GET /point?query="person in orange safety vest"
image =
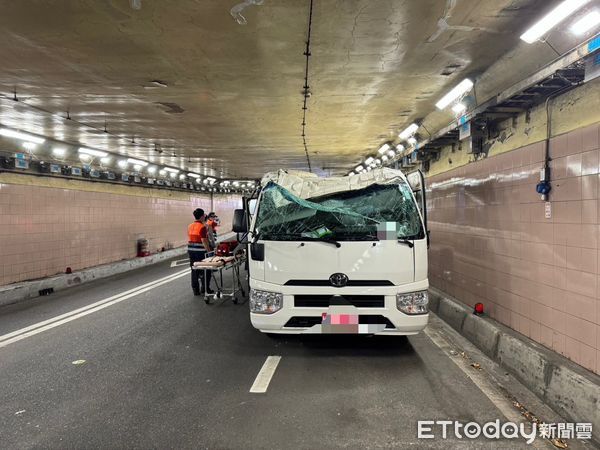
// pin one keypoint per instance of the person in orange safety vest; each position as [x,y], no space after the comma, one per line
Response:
[198,246]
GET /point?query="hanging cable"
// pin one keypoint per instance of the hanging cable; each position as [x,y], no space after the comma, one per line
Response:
[306,87]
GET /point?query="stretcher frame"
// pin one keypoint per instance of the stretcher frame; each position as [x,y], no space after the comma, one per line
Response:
[221,292]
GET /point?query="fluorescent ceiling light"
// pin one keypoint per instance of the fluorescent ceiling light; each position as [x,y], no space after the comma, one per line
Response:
[369,160]
[168,169]
[24,136]
[458,108]
[92,152]
[211,180]
[553,18]
[59,151]
[359,168]
[384,148]
[137,162]
[105,160]
[122,163]
[193,175]
[137,167]
[29,146]
[409,131]
[586,23]
[459,90]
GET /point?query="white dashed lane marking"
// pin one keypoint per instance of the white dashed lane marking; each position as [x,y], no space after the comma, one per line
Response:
[261,383]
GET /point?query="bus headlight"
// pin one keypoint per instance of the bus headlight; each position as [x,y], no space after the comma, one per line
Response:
[413,302]
[265,302]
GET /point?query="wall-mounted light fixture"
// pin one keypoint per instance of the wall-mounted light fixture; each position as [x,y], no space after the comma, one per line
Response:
[553,18]
[23,136]
[455,93]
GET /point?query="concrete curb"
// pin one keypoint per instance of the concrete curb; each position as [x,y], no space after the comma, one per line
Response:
[18,292]
[570,390]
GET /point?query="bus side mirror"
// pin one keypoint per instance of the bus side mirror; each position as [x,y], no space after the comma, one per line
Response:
[240,224]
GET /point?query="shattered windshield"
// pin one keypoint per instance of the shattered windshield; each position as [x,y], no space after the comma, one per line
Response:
[375,212]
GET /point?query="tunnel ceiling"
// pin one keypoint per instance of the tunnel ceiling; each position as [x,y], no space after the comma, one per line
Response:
[182,83]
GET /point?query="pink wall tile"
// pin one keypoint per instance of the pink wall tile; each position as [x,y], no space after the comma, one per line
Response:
[48,229]
[590,137]
[542,276]
[590,162]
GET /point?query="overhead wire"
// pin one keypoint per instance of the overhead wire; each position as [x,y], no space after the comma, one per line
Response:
[306,87]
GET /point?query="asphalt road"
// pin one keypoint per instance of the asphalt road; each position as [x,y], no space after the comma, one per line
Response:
[164,370]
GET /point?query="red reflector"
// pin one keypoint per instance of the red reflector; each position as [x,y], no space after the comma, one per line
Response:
[478,308]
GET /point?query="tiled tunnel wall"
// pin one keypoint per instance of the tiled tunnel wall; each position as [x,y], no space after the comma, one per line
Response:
[491,242]
[43,230]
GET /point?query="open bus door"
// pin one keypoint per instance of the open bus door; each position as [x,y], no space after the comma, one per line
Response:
[242,220]
[416,180]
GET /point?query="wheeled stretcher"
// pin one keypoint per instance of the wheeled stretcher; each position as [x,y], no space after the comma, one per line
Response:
[220,264]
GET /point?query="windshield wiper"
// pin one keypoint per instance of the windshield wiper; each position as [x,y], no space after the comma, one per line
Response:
[325,239]
[299,237]
[406,242]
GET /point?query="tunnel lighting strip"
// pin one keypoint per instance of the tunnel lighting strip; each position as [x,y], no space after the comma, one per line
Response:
[459,108]
[92,152]
[59,152]
[408,131]
[586,23]
[384,148]
[459,90]
[137,162]
[306,87]
[23,136]
[553,18]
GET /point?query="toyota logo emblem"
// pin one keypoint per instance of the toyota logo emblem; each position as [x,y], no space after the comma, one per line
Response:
[338,280]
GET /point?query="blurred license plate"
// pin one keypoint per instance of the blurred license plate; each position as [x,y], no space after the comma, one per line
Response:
[339,323]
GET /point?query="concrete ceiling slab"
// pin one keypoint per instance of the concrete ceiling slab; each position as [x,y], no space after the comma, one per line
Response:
[225,99]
